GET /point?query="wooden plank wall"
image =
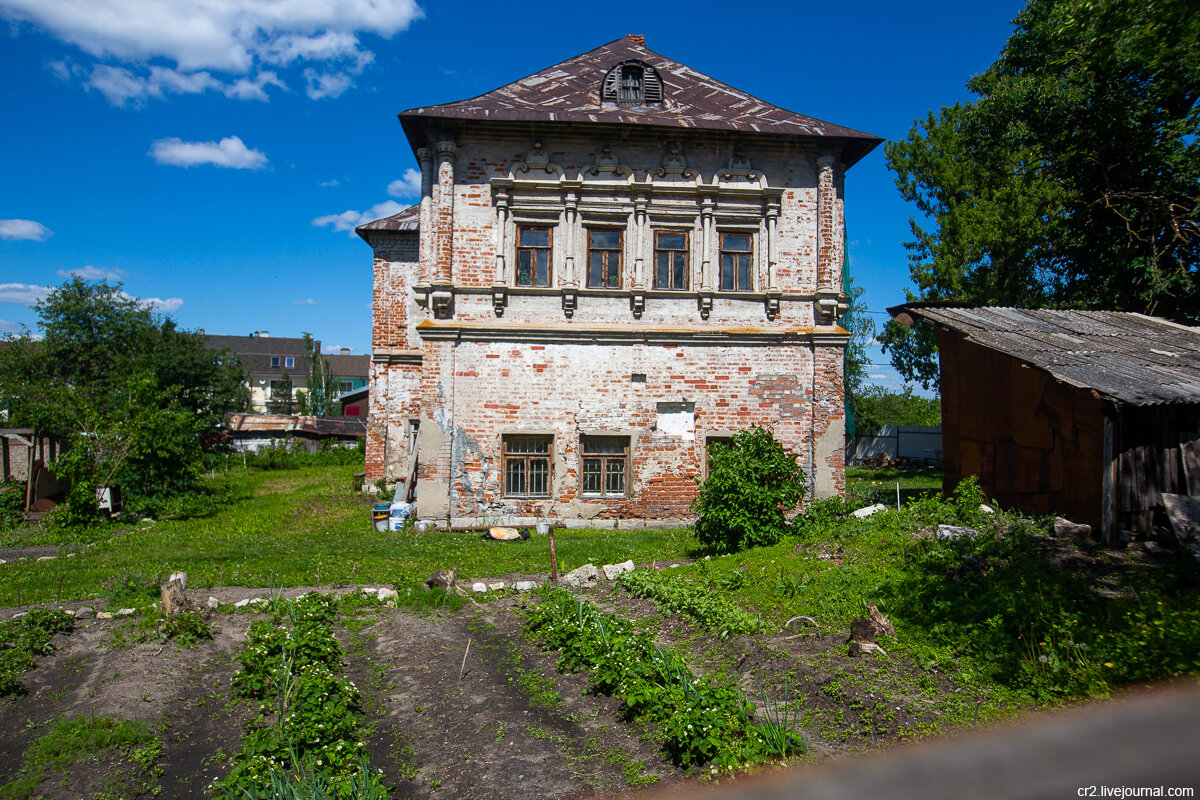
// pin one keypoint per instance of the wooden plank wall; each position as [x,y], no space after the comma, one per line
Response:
[1150,461]
[1035,443]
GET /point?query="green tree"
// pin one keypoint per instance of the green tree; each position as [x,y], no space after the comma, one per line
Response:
[752,483]
[1072,180]
[322,385]
[138,401]
[879,407]
[861,327]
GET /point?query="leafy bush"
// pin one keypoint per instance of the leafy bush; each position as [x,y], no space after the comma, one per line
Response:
[12,505]
[715,611]
[752,484]
[130,587]
[23,638]
[280,456]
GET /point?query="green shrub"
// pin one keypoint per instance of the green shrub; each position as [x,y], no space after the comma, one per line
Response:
[752,484]
[23,638]
[713,610]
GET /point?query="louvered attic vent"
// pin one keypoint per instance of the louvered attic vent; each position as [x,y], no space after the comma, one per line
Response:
[632,83]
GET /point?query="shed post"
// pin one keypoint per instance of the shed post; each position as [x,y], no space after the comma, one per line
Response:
[1108,514]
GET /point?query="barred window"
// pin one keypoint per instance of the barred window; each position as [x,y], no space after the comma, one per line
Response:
[737,251]
[605,464]
[671,260]
[604,259]
[533,256]
[527,462]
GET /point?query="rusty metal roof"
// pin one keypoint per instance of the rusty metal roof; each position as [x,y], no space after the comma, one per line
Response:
[1129,358]
[407,220]
[571,92]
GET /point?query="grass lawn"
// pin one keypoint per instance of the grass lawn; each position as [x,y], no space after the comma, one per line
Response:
[878,484]
[305,527]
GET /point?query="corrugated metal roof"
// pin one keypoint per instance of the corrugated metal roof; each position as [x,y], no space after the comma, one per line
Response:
[1130,358]
[407,220]
[570,92]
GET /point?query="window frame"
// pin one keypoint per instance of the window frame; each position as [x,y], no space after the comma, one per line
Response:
[711,439]
[735,255]
[685,252]
[525,458]
[619,252]
[289,362]
[605,459]
[274,362]
[547,250]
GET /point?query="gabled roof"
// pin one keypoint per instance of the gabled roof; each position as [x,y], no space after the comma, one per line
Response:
[349,366]
[1129,358]
[570,92]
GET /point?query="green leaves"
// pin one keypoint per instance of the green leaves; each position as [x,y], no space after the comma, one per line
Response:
[1072,180]
[752,483]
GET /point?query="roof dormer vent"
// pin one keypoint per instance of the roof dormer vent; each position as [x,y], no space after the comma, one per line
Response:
[632,83]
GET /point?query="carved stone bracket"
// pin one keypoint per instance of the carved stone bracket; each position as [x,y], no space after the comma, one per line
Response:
[607,164]
[637,304]
[739,167]
[570,299]
[442,299]
[499,299]
[706,302]
[674,166]
[826,305]
[773,297]
[421,294]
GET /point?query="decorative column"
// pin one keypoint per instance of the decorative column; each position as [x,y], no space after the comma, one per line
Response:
[500,282]
[707,282]
[570,282]
[425,235]
[443,198]
[829,243]
[773,292]
[637,300]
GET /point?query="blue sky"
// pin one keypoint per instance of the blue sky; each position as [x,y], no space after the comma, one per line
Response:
[212,154]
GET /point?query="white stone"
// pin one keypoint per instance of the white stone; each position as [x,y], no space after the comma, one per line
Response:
[70,612]
[985,508]
[952,532]
[386,594]
[495,587]
[103,615]
[241,603]
[46,558]
[212,602]
[124,612]
[259,601]
[19,614]
[525,586]
[868,511]
[613,571]
[369,590]
[70,555]
[479,587]
[581,576]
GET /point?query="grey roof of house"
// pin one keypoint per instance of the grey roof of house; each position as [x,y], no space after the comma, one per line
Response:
[348,366]
[569,92]
[1126,357]
[407,220]
[255,353]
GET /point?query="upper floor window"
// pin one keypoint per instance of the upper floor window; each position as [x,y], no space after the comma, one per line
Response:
[533,256]
[634,83]
[274,361]
[289,362]
[737,255]
[670,260]
[604,259]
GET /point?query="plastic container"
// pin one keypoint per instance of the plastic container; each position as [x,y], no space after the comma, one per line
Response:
[379,516]
[399,514]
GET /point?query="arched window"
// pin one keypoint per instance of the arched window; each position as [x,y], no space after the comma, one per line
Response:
[632,83]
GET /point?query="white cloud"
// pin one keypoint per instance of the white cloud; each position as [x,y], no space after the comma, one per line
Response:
[198,37]
[329,184]
[13,229]
[159,304]
[408,186]
[25,294]
[326,84]
[90,273]
[229,152]
[8,326]
[308,302]
[349,220]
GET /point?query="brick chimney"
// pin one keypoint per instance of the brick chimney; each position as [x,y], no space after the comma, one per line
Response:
[636,38]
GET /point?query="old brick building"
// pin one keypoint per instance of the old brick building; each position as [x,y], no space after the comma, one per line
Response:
[615,261]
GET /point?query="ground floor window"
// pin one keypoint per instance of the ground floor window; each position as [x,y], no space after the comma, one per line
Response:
[605,465]
[527,465]
[711,445]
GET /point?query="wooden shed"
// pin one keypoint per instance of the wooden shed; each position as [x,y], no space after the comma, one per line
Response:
[1094,415]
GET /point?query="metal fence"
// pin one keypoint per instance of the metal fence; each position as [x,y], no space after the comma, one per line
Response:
[912,442]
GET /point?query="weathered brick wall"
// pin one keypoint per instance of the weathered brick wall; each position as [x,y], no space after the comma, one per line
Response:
[531,373]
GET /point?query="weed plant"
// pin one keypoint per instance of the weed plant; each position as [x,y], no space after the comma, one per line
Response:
[25,638]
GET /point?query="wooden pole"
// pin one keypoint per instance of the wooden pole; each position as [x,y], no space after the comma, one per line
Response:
[464,661]
[553,558]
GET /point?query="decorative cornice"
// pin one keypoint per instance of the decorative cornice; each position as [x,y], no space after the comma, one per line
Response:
[604,334]
[383,355]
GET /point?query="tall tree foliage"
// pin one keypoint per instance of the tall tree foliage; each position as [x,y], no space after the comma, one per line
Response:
[1073,180]
[138,400]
